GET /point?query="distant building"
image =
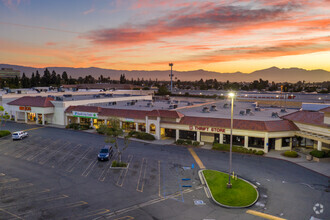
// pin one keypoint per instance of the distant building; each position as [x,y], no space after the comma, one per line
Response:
[6,73]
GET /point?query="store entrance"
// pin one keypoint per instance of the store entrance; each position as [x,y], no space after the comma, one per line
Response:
[31,117]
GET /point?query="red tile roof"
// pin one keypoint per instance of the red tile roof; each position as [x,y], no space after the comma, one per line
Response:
[33,101]
[307,117]
[272,126]
[124,113]
[165,114]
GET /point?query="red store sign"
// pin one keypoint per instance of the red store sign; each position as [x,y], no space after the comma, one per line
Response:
[204,128]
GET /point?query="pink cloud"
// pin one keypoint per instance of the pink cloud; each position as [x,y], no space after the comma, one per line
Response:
[186,21]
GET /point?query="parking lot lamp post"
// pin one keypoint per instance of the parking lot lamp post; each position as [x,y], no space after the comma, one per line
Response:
[231,95]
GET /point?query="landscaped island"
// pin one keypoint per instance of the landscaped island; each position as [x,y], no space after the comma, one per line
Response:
[241,194]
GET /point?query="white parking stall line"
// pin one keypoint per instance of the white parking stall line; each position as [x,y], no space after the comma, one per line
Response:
[63,158]
[104,173]
[89,168]
[53,153]
[83,156]
[42,150]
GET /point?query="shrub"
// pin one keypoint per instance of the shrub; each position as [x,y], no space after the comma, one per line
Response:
[317,153]
[189,142]
[145,136]
[118,164]
[4,133]
[259,152]
[102,129]
[196,143]
[180,141]
[290,154]
[226,147]
[133,133]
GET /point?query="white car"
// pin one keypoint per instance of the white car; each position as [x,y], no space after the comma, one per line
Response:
[19,135]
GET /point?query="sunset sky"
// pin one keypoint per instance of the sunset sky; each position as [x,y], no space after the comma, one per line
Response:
[220,35]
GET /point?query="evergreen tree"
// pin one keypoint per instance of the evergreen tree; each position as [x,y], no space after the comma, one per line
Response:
[58,80]
[25,81]
[65,77]
[53,78]
[38,78]
[33,82]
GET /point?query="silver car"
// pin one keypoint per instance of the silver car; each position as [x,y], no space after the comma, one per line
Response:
[19,135]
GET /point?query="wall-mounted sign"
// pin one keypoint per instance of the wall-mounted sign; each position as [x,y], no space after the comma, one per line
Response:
[205,128]
[129,120]
[25,108]
[84,114]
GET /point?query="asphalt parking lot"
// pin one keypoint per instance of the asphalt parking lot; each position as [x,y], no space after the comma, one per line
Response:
[54,174]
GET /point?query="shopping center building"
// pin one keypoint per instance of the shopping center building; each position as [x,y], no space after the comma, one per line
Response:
[192,119]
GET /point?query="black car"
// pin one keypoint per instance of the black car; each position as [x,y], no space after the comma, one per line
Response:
[105,153]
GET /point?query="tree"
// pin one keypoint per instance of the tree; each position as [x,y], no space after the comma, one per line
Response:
[65,77]
[122,79]
[38,78]
[4,116]
[112,132]
[25,81]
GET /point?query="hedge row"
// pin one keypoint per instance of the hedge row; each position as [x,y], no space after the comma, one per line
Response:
[4,133]
[320,154]
[187,142]
[77,126]
[141,135]
[226,147]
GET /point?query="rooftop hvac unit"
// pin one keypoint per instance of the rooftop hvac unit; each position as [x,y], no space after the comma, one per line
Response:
[214,108]
[248,111]
[274,115]
[175,106]
[150,104]
[57,98]
[242,112]
[225,105]
[257,109]
[283,110]
[206,110]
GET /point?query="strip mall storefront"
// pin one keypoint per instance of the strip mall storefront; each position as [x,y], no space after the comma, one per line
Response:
[172,124]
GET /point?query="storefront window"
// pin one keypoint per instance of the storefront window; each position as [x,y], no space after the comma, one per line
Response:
[286,142]
[256,142]
[170,132]
[189,135]
[237,140]
[142,127]
[152,129]
[129,126]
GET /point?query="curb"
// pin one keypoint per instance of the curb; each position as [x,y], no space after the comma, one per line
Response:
[208,192]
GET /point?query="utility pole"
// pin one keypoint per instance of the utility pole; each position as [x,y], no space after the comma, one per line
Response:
[171,65]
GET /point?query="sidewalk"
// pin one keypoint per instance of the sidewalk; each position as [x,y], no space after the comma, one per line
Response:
[319,167]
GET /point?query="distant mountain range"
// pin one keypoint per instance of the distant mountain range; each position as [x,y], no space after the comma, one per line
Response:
[271,74]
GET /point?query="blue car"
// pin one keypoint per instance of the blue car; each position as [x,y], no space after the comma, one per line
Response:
[105,153]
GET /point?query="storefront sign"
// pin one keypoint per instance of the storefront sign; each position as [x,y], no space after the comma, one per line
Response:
[129,120]
[84,114]
[205,128]
[25,108]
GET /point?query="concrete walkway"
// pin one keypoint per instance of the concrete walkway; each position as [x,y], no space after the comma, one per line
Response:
[320,167]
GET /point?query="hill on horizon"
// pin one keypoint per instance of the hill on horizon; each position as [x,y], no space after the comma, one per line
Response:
[271,74]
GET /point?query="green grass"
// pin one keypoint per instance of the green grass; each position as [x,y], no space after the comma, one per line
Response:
[4,133]
[241,194]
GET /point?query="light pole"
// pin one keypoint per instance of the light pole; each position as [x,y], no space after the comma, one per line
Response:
[171,65]
[231,95]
